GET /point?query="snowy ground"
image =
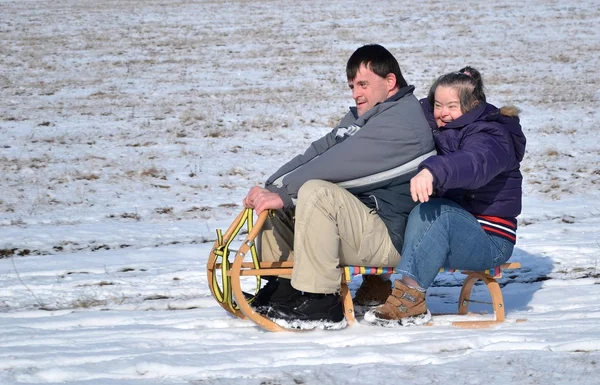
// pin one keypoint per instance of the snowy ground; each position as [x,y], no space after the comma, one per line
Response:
[131,130]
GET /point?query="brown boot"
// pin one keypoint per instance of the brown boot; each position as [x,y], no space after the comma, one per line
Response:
[373,291]
[406,306]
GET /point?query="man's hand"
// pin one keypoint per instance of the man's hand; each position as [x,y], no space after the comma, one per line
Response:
[251,196]
[261,199]
[421,186]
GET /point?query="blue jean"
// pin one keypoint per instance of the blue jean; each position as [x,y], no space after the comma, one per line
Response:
[440,233]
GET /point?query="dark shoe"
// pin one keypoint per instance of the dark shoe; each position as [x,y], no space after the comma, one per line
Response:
[373,291]
[405,306]
[276,291]
[309,311]
[284,293]
[264,294]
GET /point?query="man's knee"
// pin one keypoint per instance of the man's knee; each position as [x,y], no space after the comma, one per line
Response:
[314,186]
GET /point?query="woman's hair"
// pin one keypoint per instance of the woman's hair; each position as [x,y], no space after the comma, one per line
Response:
[468,84]
[377,59]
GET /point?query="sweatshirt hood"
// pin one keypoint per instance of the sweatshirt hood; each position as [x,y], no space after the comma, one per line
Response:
[507,116]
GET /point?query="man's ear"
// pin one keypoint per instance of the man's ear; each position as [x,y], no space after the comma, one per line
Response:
[391,81]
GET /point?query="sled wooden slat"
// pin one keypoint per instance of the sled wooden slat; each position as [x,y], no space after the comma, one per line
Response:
[265,265]
[240,268]
[265,272]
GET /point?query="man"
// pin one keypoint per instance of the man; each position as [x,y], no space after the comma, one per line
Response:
[346,199]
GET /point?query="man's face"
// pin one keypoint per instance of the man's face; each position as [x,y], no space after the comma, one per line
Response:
[369,89]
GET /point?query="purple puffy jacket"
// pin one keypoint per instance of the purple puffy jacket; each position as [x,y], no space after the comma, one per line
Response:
[479,159]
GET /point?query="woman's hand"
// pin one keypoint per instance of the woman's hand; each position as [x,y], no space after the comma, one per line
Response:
[261,199]
[421,186]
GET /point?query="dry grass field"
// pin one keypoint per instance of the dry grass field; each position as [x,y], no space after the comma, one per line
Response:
[131,129]
[170,110]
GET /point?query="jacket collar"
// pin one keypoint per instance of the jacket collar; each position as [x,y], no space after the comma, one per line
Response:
[402,92]
[478,113]
[468,118]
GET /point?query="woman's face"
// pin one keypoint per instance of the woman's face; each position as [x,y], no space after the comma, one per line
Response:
[446,106]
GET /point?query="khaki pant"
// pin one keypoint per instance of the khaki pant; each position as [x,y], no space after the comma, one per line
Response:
[331,228]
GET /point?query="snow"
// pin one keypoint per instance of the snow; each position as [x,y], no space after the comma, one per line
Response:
[130,131]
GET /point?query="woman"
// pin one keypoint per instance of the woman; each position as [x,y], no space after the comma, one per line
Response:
[471,223]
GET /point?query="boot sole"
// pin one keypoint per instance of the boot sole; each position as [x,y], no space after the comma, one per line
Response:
[310,325]
[417,320]
[361,310]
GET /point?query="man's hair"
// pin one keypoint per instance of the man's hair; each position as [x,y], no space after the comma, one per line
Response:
[468,85]
[377,59]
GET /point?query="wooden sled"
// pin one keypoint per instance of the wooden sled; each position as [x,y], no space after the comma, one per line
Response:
[227,289]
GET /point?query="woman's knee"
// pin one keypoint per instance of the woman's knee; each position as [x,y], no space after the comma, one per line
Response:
[433,209]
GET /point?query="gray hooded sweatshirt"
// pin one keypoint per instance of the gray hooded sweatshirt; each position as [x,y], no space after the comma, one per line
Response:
[372,156]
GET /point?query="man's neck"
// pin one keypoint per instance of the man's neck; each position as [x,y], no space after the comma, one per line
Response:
[393,92]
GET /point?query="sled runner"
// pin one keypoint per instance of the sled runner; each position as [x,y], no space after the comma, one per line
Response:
[225,277]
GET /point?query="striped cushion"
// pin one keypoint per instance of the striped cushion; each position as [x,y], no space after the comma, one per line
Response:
[351,271]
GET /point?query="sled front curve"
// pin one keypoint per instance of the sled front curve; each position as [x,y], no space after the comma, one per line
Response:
[240,268]
[228,290]
[238,271]
[218,260]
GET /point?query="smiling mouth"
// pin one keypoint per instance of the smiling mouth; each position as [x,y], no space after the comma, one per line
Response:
[442,123]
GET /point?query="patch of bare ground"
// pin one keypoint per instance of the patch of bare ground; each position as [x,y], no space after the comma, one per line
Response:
[108,104]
